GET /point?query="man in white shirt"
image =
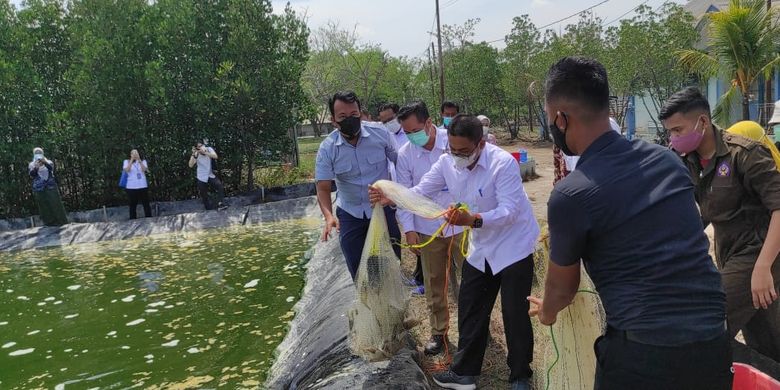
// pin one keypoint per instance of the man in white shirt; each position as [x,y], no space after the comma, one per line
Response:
[202,156]
[388,115]
[500,253]
[425,147]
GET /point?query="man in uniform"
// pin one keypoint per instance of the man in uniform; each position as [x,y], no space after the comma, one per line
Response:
[738,191]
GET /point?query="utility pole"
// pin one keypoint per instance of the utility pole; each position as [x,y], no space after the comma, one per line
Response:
[441,55]
[430,65]
[767,84]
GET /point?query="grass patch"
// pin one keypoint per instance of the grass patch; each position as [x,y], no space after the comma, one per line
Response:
[307,152]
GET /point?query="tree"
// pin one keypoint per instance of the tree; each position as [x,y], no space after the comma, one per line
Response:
[643,60]
[91,81]
[522,44]
[742,47]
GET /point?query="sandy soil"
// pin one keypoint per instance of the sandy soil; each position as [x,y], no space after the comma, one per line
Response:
[494,370]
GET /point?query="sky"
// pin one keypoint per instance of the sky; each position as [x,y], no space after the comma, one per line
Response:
[402,27]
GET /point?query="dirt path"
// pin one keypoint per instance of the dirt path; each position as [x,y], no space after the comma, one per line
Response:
[494,370]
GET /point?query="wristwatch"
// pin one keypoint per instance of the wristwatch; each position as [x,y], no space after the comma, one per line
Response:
[477,221]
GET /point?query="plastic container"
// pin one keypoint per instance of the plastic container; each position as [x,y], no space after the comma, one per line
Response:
[747,377]
[516,155]
[523,156]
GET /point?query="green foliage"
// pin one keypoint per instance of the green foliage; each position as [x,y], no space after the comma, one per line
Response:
[506,85]
[91,80]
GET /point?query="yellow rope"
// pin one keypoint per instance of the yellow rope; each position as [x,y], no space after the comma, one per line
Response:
[464,241]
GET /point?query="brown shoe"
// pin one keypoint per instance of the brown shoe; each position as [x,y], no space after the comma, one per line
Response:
[436,345]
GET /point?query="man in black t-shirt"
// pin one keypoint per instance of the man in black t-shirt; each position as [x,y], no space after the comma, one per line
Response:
[628,212]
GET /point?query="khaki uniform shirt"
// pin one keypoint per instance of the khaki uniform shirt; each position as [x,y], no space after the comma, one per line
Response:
[737,192]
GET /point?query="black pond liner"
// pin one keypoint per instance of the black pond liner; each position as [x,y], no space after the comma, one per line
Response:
[315,353]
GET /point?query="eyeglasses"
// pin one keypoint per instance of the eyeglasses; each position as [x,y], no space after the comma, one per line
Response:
[455,154]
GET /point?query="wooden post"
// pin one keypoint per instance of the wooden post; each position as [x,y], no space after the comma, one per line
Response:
[441,54]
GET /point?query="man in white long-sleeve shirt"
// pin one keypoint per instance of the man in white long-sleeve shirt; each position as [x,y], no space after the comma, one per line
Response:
[500,252]
[425,147]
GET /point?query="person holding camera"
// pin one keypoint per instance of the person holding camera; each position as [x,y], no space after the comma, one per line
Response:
[137,186]
[45,190]
[204,156]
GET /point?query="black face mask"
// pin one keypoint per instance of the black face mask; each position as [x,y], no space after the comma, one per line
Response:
[559,137]
[350,127]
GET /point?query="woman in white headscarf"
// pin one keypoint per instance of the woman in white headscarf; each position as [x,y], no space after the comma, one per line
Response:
[489,138]
[45,190]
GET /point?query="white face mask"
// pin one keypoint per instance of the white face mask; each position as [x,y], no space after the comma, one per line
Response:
[393,126]
[37,156]
[485,130]
[465,162]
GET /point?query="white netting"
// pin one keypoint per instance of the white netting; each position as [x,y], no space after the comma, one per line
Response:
[408,200]
[377,317]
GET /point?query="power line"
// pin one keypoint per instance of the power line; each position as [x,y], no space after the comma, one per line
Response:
[572,15]
[559,20]
[627,12]
[450,4]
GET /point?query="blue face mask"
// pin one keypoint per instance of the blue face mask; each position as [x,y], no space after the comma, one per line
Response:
[446,121]
[419,137]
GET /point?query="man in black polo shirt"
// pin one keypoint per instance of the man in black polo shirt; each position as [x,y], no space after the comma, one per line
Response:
[628,212]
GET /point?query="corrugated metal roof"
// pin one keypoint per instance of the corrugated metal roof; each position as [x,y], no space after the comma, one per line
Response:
[699,8]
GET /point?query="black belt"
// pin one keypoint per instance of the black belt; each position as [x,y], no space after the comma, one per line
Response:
[664,338]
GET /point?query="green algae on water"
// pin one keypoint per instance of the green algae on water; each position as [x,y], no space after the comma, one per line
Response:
[203,309]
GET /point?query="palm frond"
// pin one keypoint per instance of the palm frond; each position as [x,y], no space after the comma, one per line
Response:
[699,62]
[769,69]
[722,112]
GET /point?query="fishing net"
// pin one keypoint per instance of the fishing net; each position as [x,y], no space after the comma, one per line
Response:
[409,200]
[569,359]
[377,327]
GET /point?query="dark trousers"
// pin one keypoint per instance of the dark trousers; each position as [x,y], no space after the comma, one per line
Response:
[625,364]
[418,274]
[761,327]
[50,206]
[478,293]
[353,232]
[139,195]
[203,189]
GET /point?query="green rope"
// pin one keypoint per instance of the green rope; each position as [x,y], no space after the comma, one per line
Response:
[555,345]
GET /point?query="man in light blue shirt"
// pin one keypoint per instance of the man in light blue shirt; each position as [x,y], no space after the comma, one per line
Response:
[355,155]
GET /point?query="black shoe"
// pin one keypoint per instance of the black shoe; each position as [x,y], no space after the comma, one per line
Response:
[436,345]
[451,380]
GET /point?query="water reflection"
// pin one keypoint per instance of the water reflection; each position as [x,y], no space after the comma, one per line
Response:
[217,272]
[150,280]
[169,311]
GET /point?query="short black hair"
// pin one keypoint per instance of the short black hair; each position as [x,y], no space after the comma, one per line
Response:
[389,106]
[464,125]
[449,104]
[684,101]
[344,96]
[579,79]
[416,108]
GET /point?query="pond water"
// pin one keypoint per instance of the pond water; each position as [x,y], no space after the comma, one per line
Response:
[203,309]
